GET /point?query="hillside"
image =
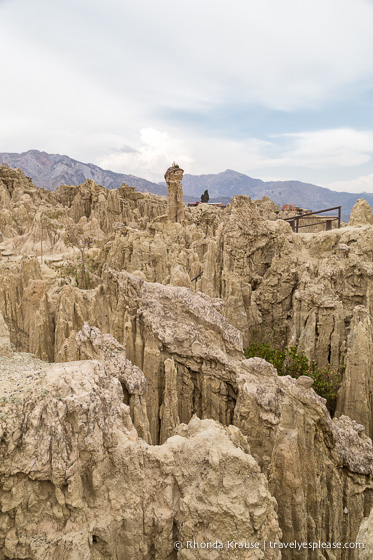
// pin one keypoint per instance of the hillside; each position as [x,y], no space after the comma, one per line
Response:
[52,170]
[229,182]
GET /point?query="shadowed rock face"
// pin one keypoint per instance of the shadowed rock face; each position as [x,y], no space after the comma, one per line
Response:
[14,181]
[159,355]
[307,290]
[173,177]
[189,362]
[77,482]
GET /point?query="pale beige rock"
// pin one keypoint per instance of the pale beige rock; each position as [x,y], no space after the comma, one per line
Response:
[5,346]
[156,323]
[357,388]
[24,305]
[15,182]
[305,381]
[91,489]
[173,177]
[179,277]
[361,214]
[312,290]
[90,344]
[365,537]
[163,318]
[168,411]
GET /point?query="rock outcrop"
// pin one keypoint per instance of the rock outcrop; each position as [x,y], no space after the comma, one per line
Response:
[76,482]
[90,344]
[365,537]
[173,177]
[361,214]
[5,346]
[146,357]
[355,395]
[292,289]
[185,347]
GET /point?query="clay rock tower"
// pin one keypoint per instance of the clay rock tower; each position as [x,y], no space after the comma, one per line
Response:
[174,176]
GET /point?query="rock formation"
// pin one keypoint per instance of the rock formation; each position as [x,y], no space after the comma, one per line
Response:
[365,537]
[186,347]
[173,177]
[147,387]
[78,483]
[361,214]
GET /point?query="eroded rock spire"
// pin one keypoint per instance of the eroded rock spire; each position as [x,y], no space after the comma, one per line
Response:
[173,177]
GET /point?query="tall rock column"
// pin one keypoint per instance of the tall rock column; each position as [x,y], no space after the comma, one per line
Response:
[355,394]
[169,409]
[173,177]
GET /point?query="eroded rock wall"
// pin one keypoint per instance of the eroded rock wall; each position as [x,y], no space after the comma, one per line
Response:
[278,287]
[169,354]
[316,467]
[76,482]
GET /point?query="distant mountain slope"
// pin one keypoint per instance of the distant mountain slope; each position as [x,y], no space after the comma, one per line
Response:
[52,170]
[228,183]
[306,195]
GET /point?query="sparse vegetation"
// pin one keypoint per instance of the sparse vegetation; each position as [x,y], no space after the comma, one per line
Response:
[289,361]
[70,272]
[51,226]
[75,237]
[205,197]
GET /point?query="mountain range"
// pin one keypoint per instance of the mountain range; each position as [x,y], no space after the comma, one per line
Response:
[52,170]
[306,195]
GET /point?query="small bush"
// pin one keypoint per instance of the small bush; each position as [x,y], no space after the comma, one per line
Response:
[289,361]
[72,272]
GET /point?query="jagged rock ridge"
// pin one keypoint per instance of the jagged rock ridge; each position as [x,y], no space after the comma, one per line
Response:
[141,353]
[52,170]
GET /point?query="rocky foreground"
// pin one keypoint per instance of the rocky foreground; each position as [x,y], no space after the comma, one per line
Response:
[130,420]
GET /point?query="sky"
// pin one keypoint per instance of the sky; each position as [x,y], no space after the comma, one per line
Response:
[275,90]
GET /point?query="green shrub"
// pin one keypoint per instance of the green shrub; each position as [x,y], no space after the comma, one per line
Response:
[73,272]
[289,361]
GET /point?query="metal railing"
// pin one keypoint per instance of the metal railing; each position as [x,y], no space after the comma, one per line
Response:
[294,220]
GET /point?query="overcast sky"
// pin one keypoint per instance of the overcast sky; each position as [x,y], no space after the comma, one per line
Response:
[274,89]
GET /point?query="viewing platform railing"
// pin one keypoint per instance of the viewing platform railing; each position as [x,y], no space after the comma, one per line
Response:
[294,220]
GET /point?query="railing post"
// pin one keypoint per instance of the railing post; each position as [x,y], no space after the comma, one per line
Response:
[294,220]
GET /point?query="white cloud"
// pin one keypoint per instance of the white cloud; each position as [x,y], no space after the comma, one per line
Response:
[342,147]
[321,149]
[155,151]
[83,78]
[283,55]
[359,185]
